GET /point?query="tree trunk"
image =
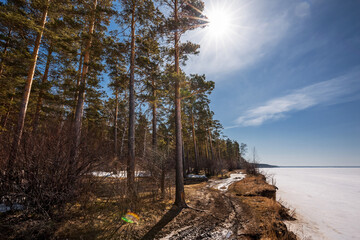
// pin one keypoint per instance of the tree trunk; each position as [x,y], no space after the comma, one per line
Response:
[206,149]
[154,119]
[154,140]
[131,142]
[184,159]
[154,133]
[116,125]
[123,139]
[188,157]
[81,97]
[219,160]
[25,100]
[163,173]
[162,181]
[211,153]
[211,146]
[194,141]
[144,144]
[180,193]
[76,95]
[41,93]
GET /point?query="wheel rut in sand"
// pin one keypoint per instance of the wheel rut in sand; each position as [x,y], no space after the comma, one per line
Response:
[213,214]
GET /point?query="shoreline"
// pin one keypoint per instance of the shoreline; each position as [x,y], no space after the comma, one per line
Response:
[269,213]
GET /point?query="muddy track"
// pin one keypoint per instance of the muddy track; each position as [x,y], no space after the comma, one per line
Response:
[213,214]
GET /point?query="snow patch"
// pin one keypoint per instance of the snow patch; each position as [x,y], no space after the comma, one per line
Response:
[121,174]
[224,184]
[16,207]
[196,176]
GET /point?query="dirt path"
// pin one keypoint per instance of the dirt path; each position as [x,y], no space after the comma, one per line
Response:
[213,214]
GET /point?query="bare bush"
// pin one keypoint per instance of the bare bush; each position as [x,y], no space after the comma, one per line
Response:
[46,175]
[250,168]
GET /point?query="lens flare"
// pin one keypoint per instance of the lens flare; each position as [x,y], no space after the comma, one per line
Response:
[131,218]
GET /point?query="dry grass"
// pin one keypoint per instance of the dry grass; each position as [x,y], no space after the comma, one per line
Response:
[96,215]
[100,217]
[254,186]
[222,175]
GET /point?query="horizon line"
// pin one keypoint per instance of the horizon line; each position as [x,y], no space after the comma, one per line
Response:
[314,166]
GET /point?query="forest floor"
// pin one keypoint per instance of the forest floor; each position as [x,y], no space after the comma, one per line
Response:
[222,208]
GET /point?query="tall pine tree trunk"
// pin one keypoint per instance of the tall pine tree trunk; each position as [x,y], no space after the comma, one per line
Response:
[184,159]
[219,159]
[144,143]
[212,153]
[76,95]
[206,149]
[41,93]
[154,119]
[116,125]
[179,192]
[163,171]
[188,161]
[123,140]
[81,96]
[194,141]
[154,139]
[25,100]
[131,143]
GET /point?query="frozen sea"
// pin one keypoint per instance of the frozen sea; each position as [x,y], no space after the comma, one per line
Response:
[326,201]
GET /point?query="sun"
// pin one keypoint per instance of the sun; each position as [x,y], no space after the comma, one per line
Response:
[220,22]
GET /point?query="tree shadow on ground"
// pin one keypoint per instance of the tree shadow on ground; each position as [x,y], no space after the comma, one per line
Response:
[170,215]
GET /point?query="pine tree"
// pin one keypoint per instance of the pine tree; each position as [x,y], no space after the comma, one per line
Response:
[185,16]
[15,28]
[135,13]
[116,65]
[83,79]
[29,81]
[195,95]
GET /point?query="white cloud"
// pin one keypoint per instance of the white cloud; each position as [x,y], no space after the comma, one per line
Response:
[328,92]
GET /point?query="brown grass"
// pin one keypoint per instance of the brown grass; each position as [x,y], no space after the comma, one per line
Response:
[100,217]
[96,215]
[254,186]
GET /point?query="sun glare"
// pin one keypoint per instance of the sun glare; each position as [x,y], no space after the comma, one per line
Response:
[219,22]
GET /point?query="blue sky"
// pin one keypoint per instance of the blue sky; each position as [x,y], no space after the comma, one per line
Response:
[287,78]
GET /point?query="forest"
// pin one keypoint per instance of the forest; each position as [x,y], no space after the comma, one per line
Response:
[97,86]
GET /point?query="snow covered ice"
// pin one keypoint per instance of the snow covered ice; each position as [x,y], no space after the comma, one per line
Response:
[326,201]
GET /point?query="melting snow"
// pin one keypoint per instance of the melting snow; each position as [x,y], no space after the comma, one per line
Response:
[195,176]
[15,206]
[224,184]
[121,174]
